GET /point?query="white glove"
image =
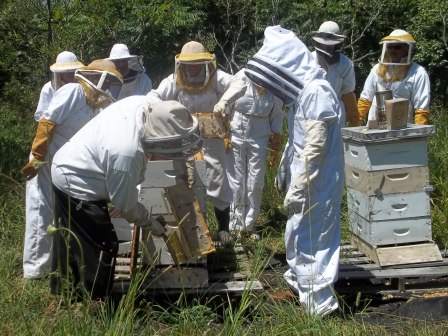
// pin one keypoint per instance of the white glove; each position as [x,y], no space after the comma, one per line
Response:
[219,109]
[296,198]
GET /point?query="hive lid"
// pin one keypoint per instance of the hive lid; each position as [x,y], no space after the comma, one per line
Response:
[364,134]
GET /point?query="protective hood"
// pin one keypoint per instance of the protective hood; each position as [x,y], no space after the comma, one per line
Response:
[170,130]
[283,65]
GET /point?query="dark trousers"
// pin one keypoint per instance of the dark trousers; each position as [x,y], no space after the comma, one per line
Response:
[84,248]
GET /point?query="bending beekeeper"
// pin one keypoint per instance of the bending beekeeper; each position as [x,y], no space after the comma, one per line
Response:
[104,162]
[206,92]
[72,106]
[135,80]
[339,69]
[315,175]
[396,71]
[256,125]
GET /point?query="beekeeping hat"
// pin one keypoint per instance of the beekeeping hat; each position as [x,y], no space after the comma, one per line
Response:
[283,65]
[194,52]
[397,37]
[119,51]
[66,61]
[170,130]
[328,34]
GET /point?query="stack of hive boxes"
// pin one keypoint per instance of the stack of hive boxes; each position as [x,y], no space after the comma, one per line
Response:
[387,179]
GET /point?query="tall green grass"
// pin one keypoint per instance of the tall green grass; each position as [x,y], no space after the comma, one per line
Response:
[438,170]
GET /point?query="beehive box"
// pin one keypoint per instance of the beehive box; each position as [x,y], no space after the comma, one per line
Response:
[389,181]
[390,232]
[388,206]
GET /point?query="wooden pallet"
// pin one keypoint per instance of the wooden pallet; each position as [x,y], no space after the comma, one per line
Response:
[226,272]
[357,272]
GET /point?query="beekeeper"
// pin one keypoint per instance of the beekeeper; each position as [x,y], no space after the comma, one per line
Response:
[104,162]
[339,69]
[72,106]
[36,252]
[256,127]
[135,80]
[198,85]
[314,177]
[396,71]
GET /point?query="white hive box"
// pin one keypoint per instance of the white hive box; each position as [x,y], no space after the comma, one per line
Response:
[373,149]
[388,206]
[387,181]
[391,232]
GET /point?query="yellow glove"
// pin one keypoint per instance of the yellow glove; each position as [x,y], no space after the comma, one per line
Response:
[228,144]
[39,149]
[275,146]
[363,108]
[31,168]
[421,117]
[351,109]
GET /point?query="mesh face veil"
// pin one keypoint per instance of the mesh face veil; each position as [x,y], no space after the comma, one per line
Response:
[101,82]
[398,48]
[194,68]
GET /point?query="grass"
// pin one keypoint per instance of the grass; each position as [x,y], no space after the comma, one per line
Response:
[27,308]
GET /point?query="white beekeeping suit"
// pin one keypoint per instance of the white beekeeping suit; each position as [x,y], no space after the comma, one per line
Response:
[36,253]
[135,80]
[199,86]
[396,71]
[339,69]
[70,109]
[315,172]
[257,118]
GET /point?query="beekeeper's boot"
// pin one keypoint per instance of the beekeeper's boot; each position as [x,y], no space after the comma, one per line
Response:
[223,219]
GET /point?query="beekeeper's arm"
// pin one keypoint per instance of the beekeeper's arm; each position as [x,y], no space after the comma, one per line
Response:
[367,95]
[65,101]
[315,147]
[276,139]
[39,149]
[167,90]
[349,95]
[420,97]
[235,90]
[351,109]
[122,177]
